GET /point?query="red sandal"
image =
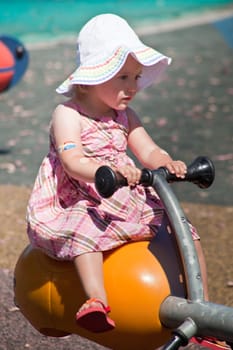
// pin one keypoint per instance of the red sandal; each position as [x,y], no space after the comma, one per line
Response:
[95,319]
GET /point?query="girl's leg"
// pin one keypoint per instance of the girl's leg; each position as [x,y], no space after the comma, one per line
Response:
[93,314]
[90,270]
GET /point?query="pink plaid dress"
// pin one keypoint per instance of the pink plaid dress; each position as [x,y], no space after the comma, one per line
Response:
[67,217]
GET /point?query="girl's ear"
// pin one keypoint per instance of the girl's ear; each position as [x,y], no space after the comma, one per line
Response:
[82,89]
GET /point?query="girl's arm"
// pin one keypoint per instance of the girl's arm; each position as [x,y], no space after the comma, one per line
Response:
[66,125]
[147,151]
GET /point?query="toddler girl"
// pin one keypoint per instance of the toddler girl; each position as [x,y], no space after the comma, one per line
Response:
[67,218]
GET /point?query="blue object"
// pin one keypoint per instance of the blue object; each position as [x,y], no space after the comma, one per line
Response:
[225,27]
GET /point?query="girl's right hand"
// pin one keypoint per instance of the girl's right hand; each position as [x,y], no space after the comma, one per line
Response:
[131,173]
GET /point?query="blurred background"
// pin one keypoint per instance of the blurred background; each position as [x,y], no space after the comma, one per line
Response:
[39,20]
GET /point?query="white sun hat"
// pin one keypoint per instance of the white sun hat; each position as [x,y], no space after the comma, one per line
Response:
[104,44]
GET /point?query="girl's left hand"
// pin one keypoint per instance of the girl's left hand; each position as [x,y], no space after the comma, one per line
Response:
[131,173]
[177,167]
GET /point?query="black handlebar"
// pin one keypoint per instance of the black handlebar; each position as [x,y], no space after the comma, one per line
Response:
[200,172]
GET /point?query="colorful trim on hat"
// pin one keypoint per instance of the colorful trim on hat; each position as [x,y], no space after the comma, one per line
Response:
[104,71]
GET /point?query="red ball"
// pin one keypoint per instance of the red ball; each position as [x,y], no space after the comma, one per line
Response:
[7,66]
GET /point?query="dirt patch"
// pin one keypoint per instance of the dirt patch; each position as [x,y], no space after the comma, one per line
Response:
[12,223]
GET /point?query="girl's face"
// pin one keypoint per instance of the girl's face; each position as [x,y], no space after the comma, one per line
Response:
[121,89]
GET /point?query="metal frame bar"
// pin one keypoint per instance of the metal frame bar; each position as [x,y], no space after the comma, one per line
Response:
[211,319]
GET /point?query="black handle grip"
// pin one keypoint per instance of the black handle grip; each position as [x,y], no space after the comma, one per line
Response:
[200,172]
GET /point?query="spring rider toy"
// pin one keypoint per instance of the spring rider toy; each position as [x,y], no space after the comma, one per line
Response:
[154,287]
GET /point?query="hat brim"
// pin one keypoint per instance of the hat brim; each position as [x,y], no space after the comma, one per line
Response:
[154,63]
[21,58]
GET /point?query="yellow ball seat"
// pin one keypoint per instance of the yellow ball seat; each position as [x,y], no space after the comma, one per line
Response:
[48,293]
